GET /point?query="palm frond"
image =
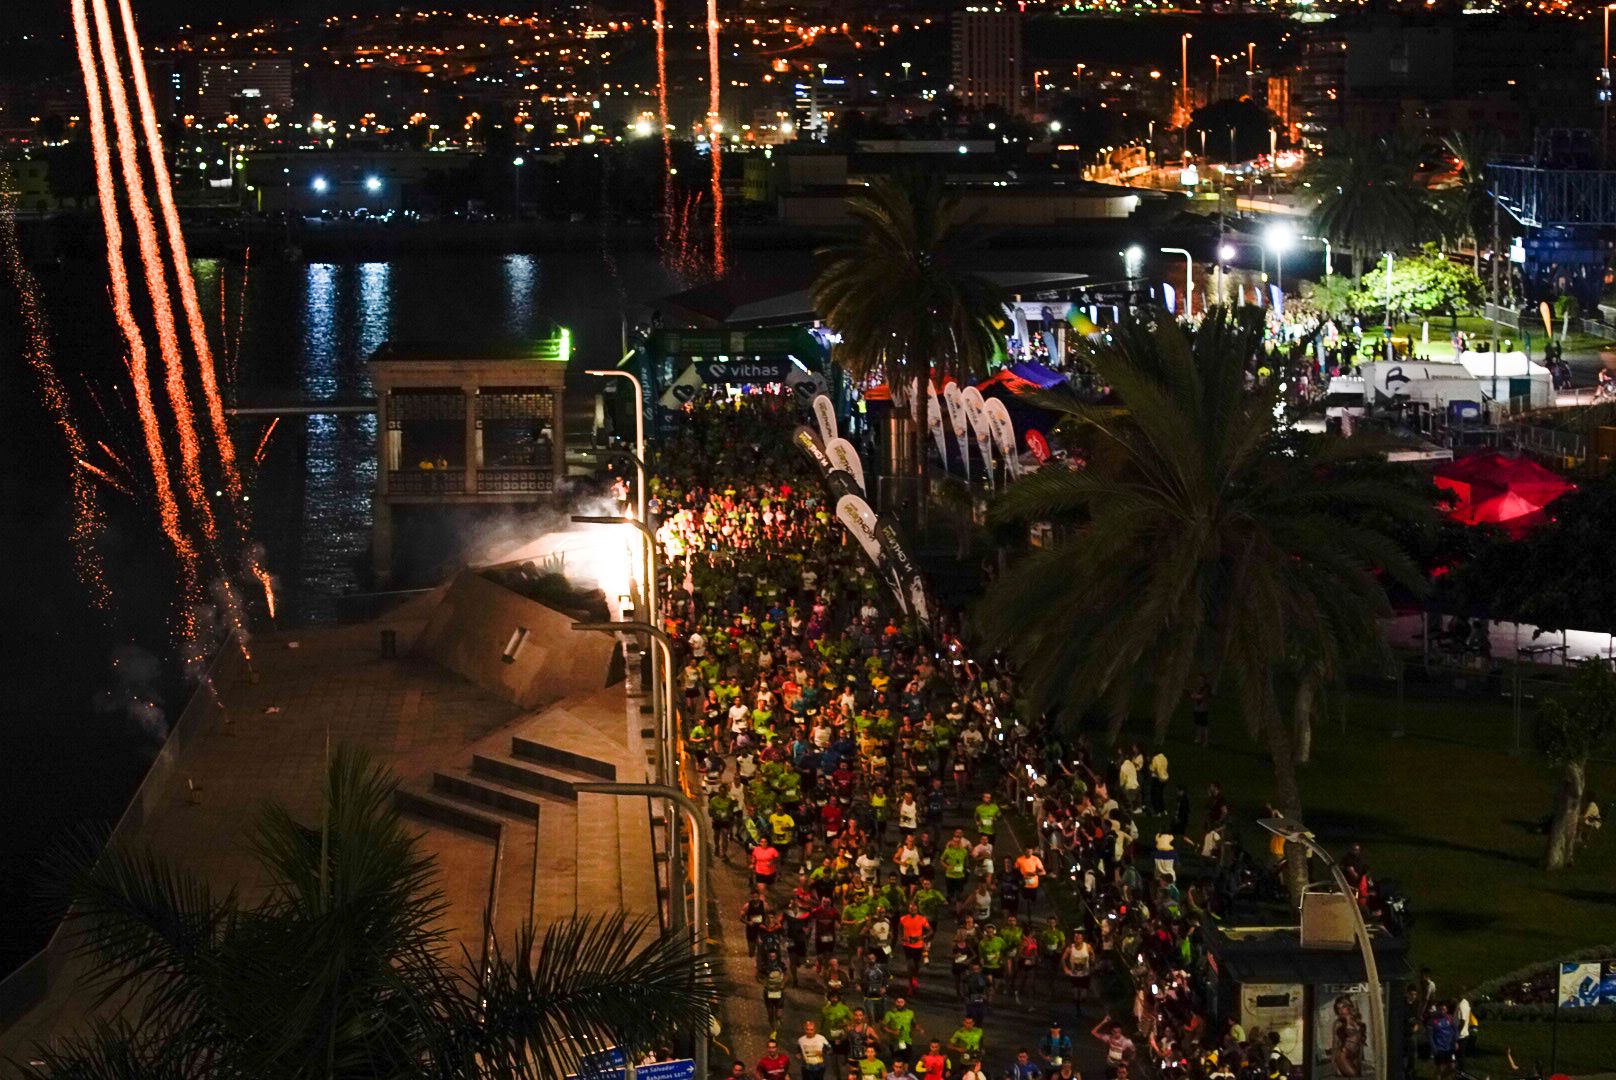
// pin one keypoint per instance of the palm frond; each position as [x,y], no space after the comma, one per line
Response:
[604,980]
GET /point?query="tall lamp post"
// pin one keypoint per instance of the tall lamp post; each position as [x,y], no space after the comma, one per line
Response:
[1189,278]
[1389,259]
[667,760]
[639,430]
[1279,238]
[704,846]
[1184,83]
[1293,832]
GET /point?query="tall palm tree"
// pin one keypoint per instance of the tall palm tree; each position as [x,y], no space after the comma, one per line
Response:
[1369,197]
[904,307]
[342,970]
[1465,204]
[1203,538]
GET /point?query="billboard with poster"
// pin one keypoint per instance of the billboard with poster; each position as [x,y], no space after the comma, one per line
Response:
[1590,982]
[1278,1007]
[1341,1046]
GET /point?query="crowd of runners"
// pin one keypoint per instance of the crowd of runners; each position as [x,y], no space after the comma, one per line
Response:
[907,830]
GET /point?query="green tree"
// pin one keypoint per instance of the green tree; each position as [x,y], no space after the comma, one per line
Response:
[1428,283]
[1369,198]
[905,307]
[1463,202]
[1203,538]
[342,969]
[1331,297]
[1569,730]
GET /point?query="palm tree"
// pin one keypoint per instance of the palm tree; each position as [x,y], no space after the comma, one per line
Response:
[904,307]
[1369,197]
[1203,538]
[1465,204]
[342,969]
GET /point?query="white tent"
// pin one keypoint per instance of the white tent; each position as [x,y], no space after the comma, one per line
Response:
[1510,376]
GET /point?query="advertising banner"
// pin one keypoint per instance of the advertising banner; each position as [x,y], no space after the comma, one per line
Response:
[825,413]
[844,457]
[976,412]
[1341,1046]
[959,422]
[1004,435]
[934,423]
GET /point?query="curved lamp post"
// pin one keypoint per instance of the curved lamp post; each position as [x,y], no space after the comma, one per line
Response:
[704,846]
[1293,832]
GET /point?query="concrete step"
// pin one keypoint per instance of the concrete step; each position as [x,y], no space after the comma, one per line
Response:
[540,779]
[447,811]
[557,863]
[542,753]
[598,848]
[490,794]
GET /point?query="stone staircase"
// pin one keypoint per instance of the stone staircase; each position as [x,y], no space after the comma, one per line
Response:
[560,852]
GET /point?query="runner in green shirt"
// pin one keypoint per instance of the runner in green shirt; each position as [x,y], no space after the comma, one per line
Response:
[967,1039]
[987,814]
[899,1022]
[835,1016]
[991,949]
[931,901]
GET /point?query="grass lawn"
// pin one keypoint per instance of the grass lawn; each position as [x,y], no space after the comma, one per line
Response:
[1445,813]
[1441,348]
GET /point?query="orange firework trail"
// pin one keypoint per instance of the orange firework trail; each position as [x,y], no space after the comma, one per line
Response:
[714,137]
[659,21]
[241,314]
[106,198]
[179,398]
[263,444]
[104,475]
[176,247]
[269,587]
[87,519]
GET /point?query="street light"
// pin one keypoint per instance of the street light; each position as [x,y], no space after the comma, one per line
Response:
[373,184]
[319,184]
[639,429]
[1293,832]
[667,760]
[704,847]
[1189,278]
[1279,238]
[516,181]
[1133,259]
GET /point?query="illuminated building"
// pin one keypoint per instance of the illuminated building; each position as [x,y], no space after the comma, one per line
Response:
[987,58]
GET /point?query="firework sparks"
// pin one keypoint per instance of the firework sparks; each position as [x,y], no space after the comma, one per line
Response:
[263,443]
[179,398]
[659,21]
[714,137]
[101,474]
[87,519]
[269,587]
[176,245]
[106,198]
[241,316]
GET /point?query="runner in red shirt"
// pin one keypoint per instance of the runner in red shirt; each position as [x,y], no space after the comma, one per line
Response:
[765,863]
[915,931]
[933,1064]
[774,1064]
